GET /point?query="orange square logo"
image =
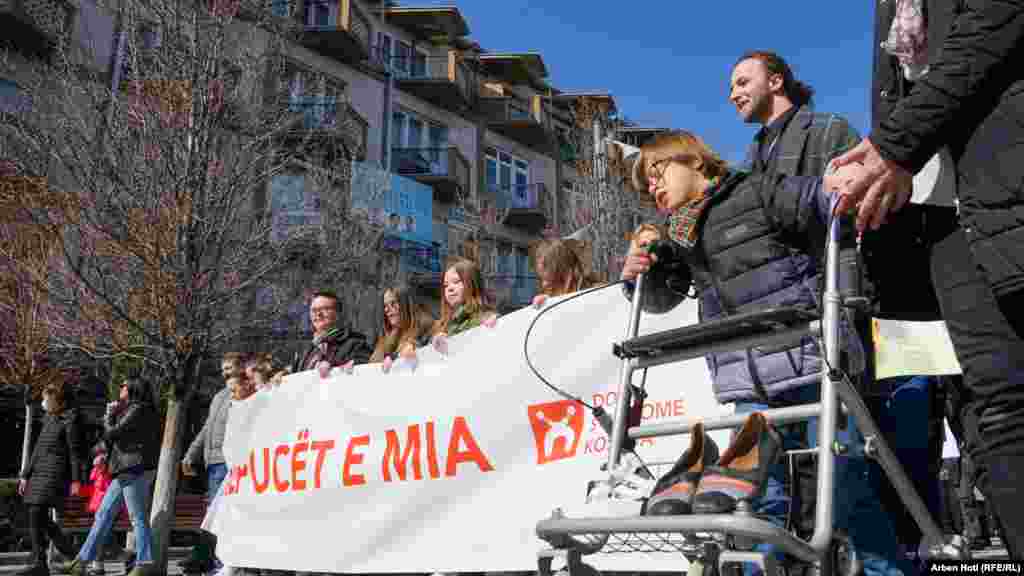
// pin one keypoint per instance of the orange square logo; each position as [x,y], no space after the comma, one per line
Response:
[557,429]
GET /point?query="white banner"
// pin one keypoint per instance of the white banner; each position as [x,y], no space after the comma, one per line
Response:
[450,467]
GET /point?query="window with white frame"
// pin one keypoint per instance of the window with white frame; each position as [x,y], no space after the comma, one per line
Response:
[507,175]
[422,141]
[405,59]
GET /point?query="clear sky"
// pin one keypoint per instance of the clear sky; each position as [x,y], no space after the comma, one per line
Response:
[667,62]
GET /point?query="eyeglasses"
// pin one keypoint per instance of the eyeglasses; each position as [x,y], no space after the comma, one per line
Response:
[321,311]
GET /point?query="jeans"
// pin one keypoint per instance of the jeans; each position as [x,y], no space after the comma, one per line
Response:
[215,475]
[988,337]
[905,418]
[856,506]
[134,488]
[150,476]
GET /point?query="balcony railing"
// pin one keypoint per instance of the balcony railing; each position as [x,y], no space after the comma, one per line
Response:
[446,169]
[526,206]
[526,121]
[446,81]
[335,28]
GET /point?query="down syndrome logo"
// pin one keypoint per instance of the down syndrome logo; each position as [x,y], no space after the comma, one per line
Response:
[557,429]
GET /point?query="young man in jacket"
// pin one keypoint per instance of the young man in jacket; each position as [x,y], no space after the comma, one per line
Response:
[971,100]
[208,445]
[332,346]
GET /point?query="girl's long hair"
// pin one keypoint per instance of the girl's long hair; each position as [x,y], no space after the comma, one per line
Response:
[564,271]
[413,322]
[472,295]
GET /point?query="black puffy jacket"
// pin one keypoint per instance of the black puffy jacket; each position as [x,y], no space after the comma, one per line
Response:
[55,461]
[760,244]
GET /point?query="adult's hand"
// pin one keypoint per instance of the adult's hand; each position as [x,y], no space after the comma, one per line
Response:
[22,485]
[187,469]
[882,188]
[491,321]
[638,259]
[385,366]
[76,488]
[539,300]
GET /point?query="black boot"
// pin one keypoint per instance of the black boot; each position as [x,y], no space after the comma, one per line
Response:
[37,569]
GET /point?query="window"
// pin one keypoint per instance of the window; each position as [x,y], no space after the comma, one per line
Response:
[12,101]
[419,64]
[384,48]
[320,13]
[508,176]
[403,50]
[409,130]
[293,204]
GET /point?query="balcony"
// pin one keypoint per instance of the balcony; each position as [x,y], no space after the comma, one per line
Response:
[33,25]
[445,169]
[326,119]
[421,264]
[337,29]
[525,207]
[445,81]
[526,122]
[427,23]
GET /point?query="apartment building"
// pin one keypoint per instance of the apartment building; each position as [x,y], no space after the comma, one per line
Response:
[404,89]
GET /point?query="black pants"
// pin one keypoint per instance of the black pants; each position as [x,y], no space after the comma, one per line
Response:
[42,530]
[988,336]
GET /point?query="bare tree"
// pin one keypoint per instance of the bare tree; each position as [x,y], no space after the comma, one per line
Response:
[604,207]
[164,230]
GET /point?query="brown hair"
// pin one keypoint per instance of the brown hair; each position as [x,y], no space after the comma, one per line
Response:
[658,230]
[560,267]
[413,322]
[798,92]
[263,364]
[472,296]
[682,146]
[57,391]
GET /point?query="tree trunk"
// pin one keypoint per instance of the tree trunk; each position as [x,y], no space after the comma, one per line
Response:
[162,515]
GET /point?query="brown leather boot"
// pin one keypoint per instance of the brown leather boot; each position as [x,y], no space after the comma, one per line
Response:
[742,472]
[673,494]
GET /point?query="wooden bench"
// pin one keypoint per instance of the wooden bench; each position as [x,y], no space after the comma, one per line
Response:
[189,511]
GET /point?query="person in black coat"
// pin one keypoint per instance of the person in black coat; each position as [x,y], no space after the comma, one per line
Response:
[132,435]
[45,481]
[332,345]
[967,95]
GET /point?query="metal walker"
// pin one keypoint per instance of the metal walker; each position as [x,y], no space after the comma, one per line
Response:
[723,539]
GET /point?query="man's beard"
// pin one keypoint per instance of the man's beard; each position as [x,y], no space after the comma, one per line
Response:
[758,110]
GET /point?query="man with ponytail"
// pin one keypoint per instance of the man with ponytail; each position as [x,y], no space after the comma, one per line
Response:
[793,140]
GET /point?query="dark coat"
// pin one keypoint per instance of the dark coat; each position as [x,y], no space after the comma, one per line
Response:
[133,438]
[55,461]
[971,101]
[344,346]
[810,141]
[759,246]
